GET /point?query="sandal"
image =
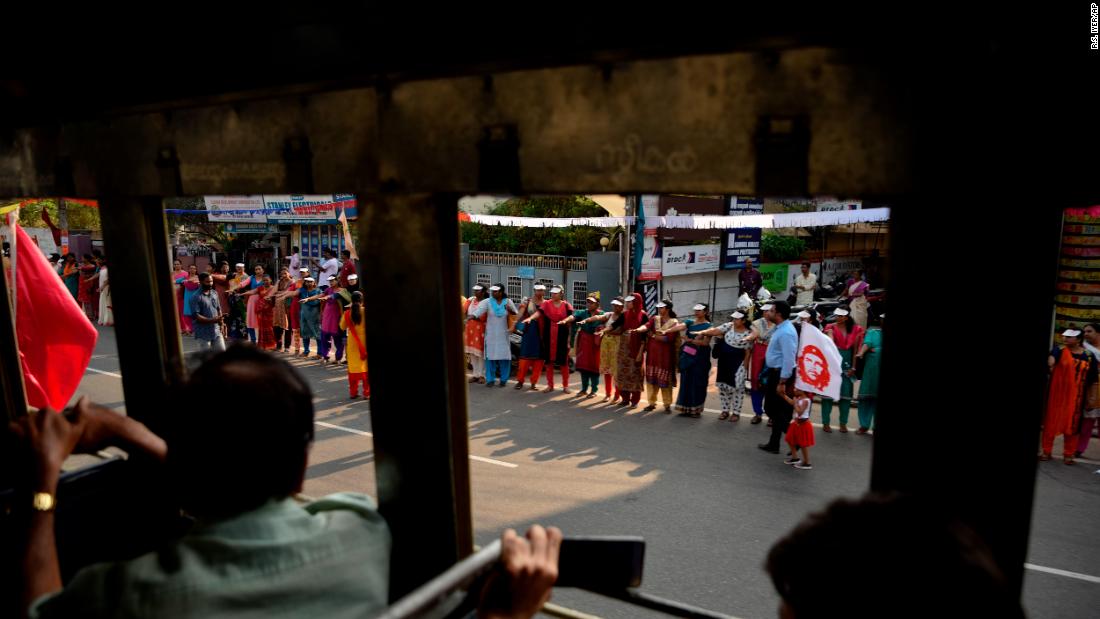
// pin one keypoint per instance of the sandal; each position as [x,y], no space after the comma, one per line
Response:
[1069,461]
[533,387]
[589,396]
[607,398]
[843,429]
[724,416]
[826,429]
[770,422]
[1044,457]
[668,410]
[861,431]
[756,419]
[650,408]
[735,417]
[548,390]
[519,386]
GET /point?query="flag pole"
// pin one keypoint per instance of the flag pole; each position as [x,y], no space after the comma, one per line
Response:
[12,390]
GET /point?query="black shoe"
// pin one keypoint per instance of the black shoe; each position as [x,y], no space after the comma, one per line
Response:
[769,448]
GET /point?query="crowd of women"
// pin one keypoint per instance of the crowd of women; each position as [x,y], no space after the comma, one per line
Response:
[632,351]
[286,315]
[87,281]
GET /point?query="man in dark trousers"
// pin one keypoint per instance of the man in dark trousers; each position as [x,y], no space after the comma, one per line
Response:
[780,361]
[750,279]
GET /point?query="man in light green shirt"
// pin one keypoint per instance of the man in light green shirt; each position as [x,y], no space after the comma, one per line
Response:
[241,431]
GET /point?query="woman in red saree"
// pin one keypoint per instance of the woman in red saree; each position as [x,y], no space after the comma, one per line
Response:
[628,373]
[662,356]
[89,282]
[1072,369]
[555,344]
[265,313]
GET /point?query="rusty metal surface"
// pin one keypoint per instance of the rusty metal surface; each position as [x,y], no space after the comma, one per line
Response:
[653,125]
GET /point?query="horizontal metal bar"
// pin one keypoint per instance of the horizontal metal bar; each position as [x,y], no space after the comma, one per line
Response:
[461,575]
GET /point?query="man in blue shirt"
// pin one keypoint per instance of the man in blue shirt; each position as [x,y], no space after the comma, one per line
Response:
[780,361]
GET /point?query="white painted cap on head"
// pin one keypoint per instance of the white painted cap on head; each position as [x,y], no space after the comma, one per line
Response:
[592,300]
[309,279]
[353,277]
[662,304]
[882,315]
[331,278]
[555,290]
[840,312]
[767,307]
[699,307]
[1071,333]
[616,302]
[540,287]
[303,270]
[737,315]
[494,288]
[803,314]
[240,264]
[479,287]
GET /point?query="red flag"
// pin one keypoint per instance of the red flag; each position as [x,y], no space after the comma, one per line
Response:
[56,339]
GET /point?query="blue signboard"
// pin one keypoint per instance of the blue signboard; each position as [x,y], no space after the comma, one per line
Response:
[739,244]
[527,272]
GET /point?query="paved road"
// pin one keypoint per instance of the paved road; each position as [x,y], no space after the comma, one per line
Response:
[707,501]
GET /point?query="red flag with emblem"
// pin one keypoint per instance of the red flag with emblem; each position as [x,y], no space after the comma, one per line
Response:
[55,337]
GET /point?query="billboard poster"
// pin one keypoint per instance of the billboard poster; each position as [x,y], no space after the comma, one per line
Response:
[746,206]
[651,257]
[315,241]
[216,207]
[775,277]
[690,259]
[828,204]
[649,207]
[300,209]
[739,244]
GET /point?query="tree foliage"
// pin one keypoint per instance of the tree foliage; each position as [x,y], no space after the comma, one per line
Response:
[780,248]
[572,241]
[197,226]
[80,217]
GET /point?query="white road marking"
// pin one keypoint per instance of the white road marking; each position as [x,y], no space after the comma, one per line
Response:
[343,429]
[1056,572]
[601,424]
[368,434]
[102,372]
[496,462]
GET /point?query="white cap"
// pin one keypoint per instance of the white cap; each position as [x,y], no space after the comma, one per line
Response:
[803,314]
[309,279]
[1071,333]
[699,307]
[303,270]
[882,315]
[479,287]
[540,287]
[767,307]
[494,288]
[331,278]
[555,290]
[592,300]
[737,315]
[616,302]
[840,312]
[662,304]
[353,277]
[240,264]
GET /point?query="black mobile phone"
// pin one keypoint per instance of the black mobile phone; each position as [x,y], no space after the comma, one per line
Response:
[601,563]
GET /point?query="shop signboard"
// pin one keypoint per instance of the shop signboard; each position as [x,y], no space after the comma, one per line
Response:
[838,205]
[774,276]
[235,209]
[739,244]
[690,259]
[300,209]
[746,206]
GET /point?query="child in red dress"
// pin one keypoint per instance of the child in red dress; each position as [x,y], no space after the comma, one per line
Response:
[800,434]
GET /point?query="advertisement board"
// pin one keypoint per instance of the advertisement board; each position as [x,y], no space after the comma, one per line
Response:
[690,259]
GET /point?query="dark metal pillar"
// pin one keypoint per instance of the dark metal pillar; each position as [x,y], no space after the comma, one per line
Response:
[135,236]
[409,246]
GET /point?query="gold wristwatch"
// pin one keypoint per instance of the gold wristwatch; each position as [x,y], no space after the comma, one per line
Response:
[44,502]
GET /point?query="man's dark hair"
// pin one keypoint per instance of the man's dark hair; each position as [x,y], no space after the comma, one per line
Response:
[1095,326]
[345,253]
[783,309]
[806,264]
[204,276]
[327,252]
[897,544]
[239,433]
[294,249]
